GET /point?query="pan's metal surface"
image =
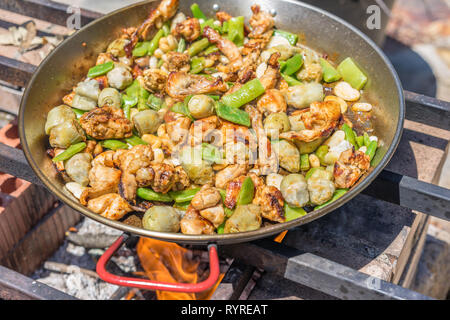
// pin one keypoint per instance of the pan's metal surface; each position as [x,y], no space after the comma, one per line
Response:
[68,63]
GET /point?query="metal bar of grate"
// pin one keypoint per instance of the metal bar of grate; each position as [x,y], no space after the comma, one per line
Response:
[318,273]
[46,10]
[15,72]
[427,110]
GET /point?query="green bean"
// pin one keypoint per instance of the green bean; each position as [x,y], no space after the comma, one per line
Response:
[197,12]
[141,49]
[236,30]
[113,144]
[133,89]
[337,194]
[352,74]
[292,38]
[150,195]
[184,195]
[181,45]
[223,194]
[304,162]
[330,74]
[70,152]
[311,172]
[292,65]
[221,228]
[100,69]
[142,99]
[291,81]
[198,46]
[360,141]
[166,28]
[246,193]
[248,92]
[197,64]
[155,102]
[210,23]
[154,43]
[234,115]
[182,108]
[292,213]
[366,139]
[134,140]
[225,27]
[321,152]
[349,135]
[210,50]
[215,97]
[371,149]
[182,205]
[127,111]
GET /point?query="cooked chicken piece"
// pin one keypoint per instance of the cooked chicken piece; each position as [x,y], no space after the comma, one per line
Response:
[182,84]
[177,126]
[267,160]
[130,161]
[200,129]
[249,65]
[68,99]
[103,57]
[165,11]
[232,193]
[257,44]
[215,215]
[103,177]
[234,134]
[193,223]
[228,48]
[154,80]
[261,22]
[106,123]
[272,73]
[145,177]
[272,101]
[350,167]
[320,121]
[176,61]
[111,206]
[206,197]
[271,202]
[189,29]
[228,174]
[164,177]
[181,179]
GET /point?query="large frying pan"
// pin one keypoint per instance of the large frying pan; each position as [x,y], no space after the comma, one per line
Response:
[70,61]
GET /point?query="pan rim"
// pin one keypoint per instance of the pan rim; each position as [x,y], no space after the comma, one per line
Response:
[216,238]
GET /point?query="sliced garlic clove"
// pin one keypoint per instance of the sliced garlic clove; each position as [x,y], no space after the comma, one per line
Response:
[337,137]
[75,188]
[362,106]
[341,102]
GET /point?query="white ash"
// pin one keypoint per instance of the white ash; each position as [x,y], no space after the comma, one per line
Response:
[126,264]
[75,250]
[89,226]
[96,252]
[80,285]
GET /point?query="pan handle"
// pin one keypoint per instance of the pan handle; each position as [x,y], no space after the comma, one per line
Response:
[152,285]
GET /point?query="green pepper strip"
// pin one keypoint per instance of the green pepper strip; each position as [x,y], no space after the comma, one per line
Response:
[236,30]
[100,69]
[293,64]
[225,27]
[135,140]
[133,89]
[210,23]
[198,47]
[181,45]
[234,115]
[184,195]
[371,149]
[291,81]
[197,12]
[248,92]
[349,135]
[141,49]
[150,195]
[70,152]
[304,162]
[337,194]
[352,74]
[292,38]
[330,74]
[154,43]
[113,144]
[321,152]
[182,205]
[292,213]
[155,102]
[210,49]
[211,153]
[246,193]
[166,28]
[180,107]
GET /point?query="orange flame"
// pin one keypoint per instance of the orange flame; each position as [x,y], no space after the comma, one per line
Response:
[168,262]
